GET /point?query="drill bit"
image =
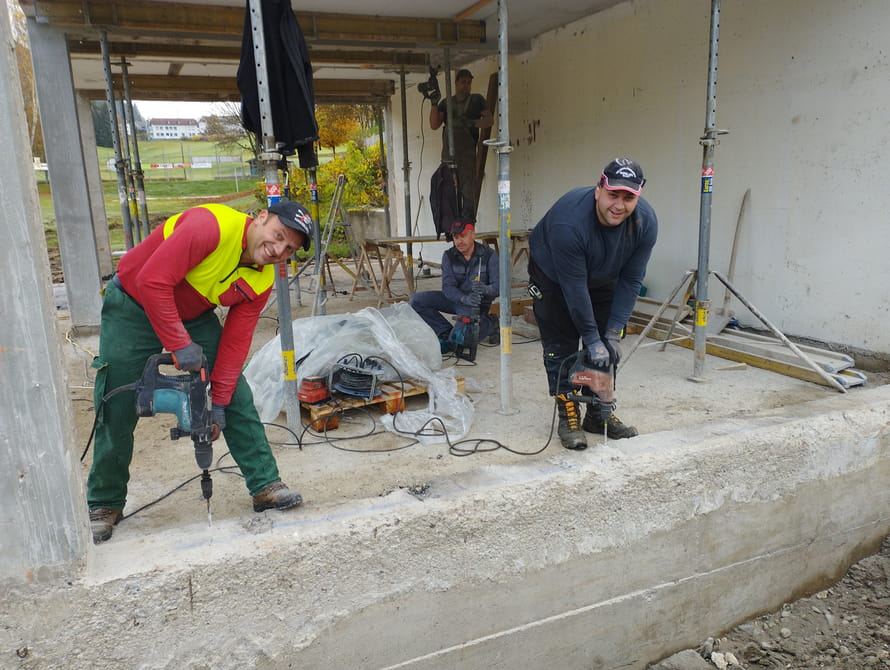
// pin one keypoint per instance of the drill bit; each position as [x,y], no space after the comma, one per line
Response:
[207,491]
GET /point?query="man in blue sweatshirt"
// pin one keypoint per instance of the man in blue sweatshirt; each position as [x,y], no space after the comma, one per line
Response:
[588,258]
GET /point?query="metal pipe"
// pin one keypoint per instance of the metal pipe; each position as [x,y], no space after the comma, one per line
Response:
[136,165]
[270,158]
[503,149]
[116,142]
[131,184]
[406,163]
[318,259]
[709,142]
[775,331]
[449,107]
[384,172]
[686,277]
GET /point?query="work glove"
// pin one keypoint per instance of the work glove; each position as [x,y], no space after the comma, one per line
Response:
[435,96]
[598,356]
[189,358]
[489,290]
[613,344]
[218,417]
[471,299]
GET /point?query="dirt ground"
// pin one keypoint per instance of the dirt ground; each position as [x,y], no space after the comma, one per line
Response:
[843,627]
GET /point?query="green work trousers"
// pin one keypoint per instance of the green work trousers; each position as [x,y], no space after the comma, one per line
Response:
[126,340]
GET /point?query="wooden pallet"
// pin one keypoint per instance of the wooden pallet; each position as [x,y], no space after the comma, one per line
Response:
[325,415]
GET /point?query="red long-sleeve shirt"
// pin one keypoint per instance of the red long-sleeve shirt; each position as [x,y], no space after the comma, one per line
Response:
[190,265]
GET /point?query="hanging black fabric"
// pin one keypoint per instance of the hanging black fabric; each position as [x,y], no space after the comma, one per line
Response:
[444,200]
[291,90]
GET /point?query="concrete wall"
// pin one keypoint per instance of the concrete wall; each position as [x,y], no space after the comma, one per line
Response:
[607,559]
[42,521]
[803,89]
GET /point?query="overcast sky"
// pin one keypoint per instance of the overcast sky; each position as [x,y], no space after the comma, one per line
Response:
[154,109]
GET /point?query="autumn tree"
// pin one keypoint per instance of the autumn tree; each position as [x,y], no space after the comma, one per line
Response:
[337,124]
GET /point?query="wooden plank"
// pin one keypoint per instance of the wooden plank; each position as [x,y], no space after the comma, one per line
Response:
[491,99]
[805,373]
[389,400]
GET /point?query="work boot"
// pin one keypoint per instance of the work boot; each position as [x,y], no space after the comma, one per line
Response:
[569,427]
[276,496]
[102,523]
[495,335]
[615,430]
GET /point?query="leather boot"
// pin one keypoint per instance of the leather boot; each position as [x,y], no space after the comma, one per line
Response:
[569,428]
[102,523]
[276,496]
[615,430]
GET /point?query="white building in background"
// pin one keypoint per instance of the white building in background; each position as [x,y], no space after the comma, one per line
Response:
[173,129]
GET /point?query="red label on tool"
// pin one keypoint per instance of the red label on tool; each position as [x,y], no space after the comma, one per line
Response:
[707,172]
[273,190]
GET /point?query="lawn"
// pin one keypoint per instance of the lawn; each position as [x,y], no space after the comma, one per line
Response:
[170,190]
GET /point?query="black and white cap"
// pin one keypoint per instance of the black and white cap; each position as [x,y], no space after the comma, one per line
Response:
[293,215]
[623,174]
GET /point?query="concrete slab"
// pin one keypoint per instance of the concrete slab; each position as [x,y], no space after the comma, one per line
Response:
[739,494]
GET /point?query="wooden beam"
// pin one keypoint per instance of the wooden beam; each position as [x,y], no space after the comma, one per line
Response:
[193,52]
[139,18]
[220,89]
[476,6]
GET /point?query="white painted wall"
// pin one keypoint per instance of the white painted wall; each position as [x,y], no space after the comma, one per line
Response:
[804,91]
[425,150]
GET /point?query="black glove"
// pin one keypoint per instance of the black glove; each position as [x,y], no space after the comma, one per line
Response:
[218,414]
[598,356]
[471,299]
[435,96]
[189,358]
[613,344]
[490,290]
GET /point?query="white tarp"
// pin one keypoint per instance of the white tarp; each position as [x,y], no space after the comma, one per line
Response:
[396,335]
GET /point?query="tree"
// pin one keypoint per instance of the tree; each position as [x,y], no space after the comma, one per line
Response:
[337,124]
[101,123]
[227,130]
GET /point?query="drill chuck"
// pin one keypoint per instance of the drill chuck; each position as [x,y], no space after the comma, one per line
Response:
[206,486]
[203,454]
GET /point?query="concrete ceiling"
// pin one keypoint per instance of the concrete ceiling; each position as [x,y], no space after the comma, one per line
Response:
[189,50]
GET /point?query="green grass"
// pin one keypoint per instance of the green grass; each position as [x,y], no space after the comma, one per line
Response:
[169,191]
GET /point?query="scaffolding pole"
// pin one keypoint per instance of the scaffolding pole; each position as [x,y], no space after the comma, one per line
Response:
[709,143]
[115,140]
[136,164]
[406,162]
[503,148]
[270,159]
[384,172]
[128,174]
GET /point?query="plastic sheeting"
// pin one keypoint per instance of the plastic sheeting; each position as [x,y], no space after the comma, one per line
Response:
[395,334]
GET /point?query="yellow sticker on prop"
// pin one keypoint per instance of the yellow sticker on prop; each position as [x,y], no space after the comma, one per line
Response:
[290,370]
[507,340]
[701,317]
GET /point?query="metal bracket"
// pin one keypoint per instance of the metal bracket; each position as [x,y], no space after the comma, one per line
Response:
[500,146]
[709,138]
